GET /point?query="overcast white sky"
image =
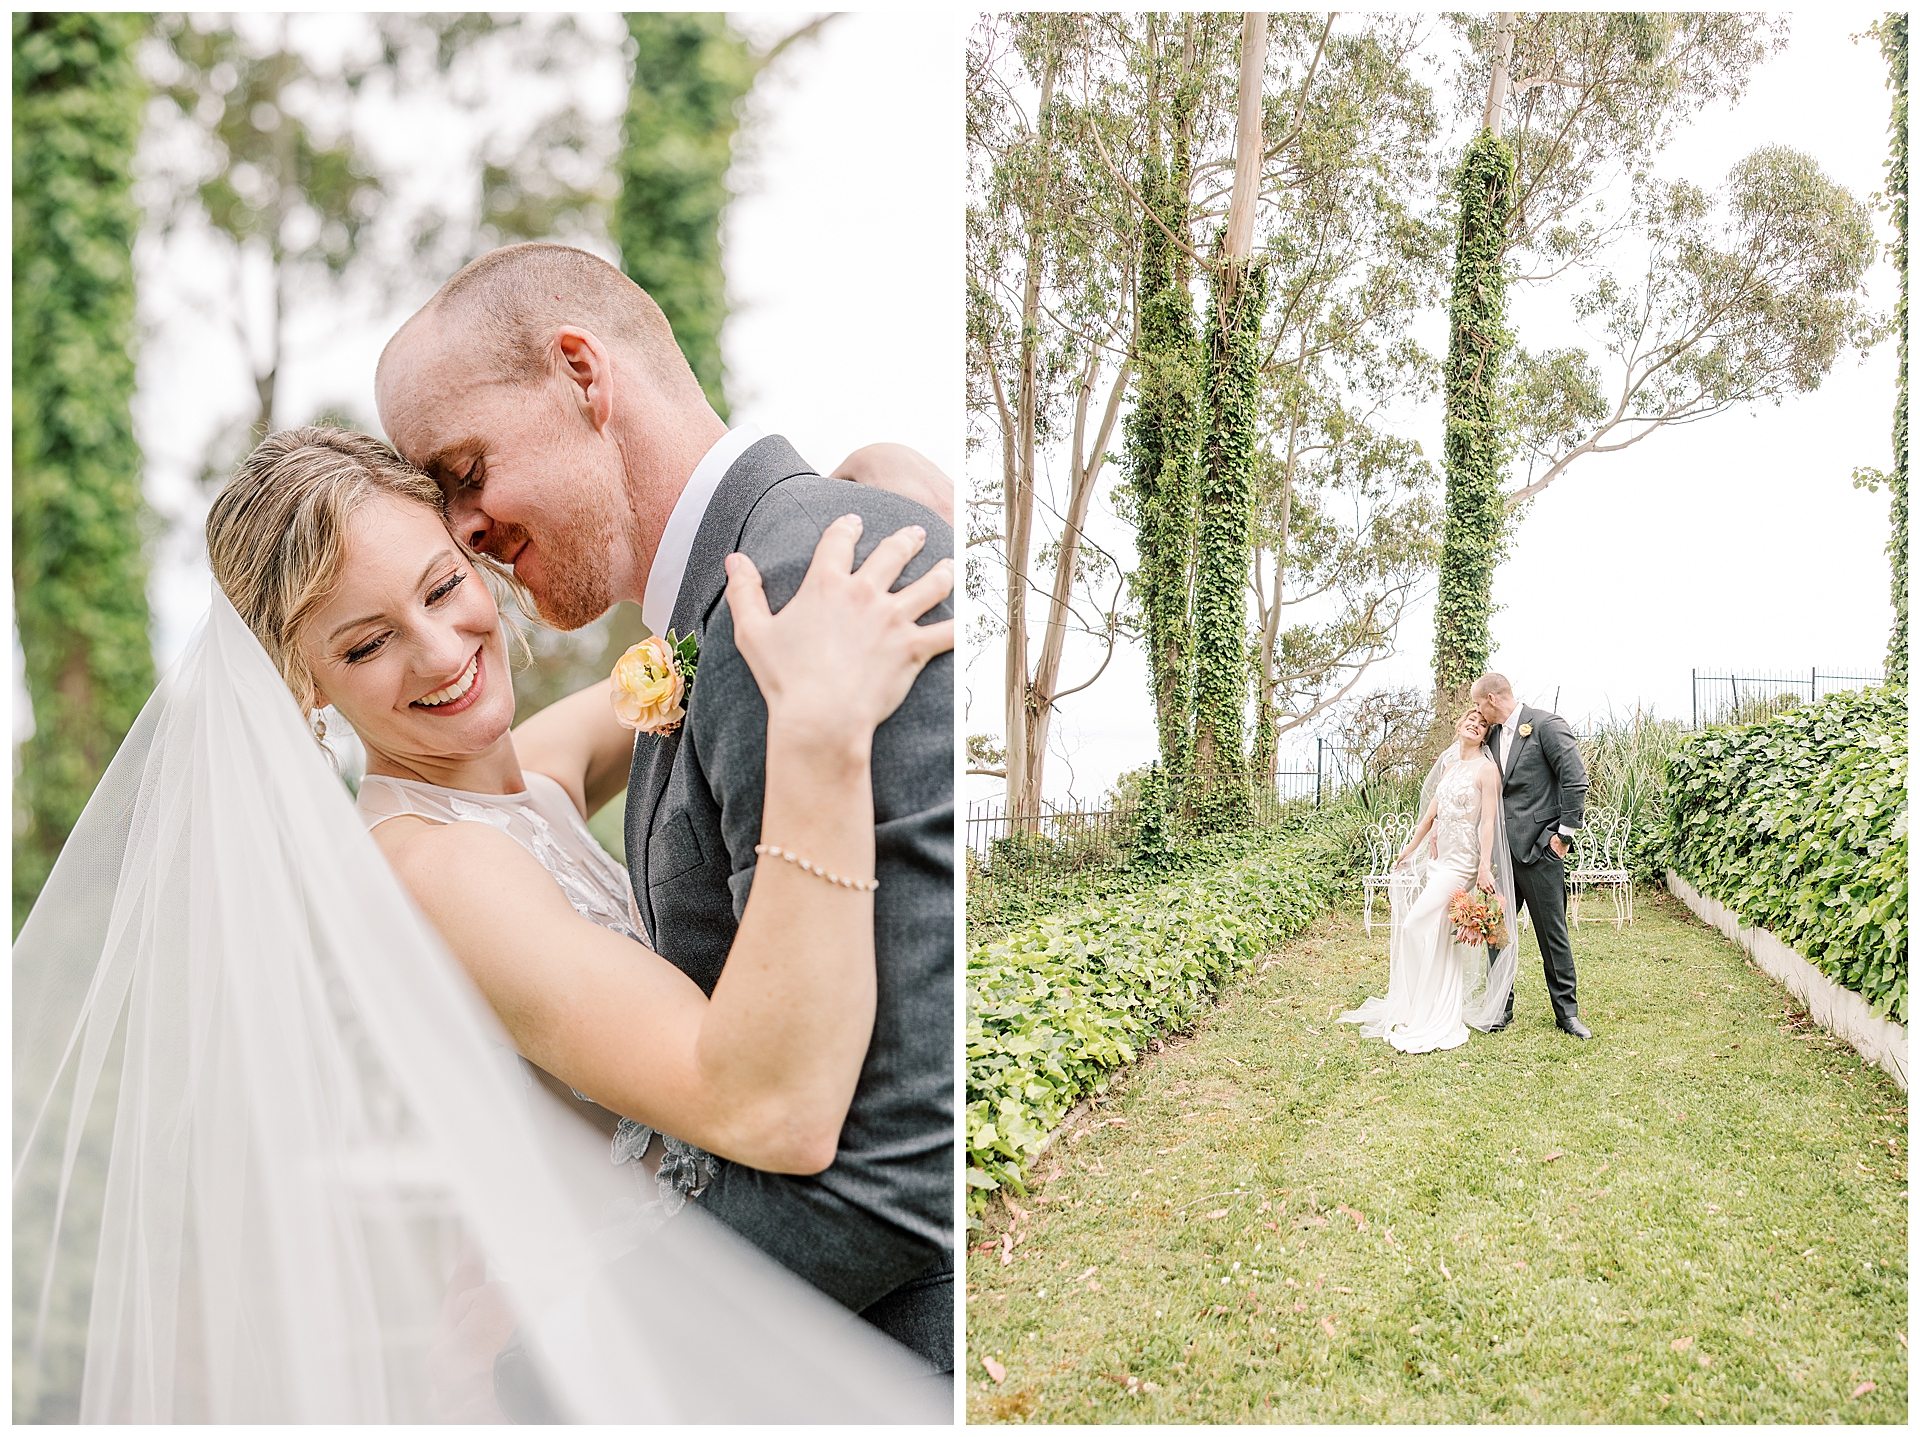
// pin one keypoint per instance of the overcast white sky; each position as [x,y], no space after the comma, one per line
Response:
[1738,541]
[843,257]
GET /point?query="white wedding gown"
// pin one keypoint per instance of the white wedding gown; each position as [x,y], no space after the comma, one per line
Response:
[543,820]
[263,1120]
[1428,1005]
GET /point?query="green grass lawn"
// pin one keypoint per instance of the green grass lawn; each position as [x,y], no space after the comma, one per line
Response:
[1700,1215]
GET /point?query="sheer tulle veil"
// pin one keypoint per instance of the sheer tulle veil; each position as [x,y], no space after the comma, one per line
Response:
[1487,977]
[261,1116]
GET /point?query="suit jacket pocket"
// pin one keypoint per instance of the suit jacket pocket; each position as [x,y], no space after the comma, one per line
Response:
[672,849]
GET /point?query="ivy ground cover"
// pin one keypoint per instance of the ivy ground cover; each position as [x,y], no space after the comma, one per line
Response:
[1799,824]
[1699,1216]
[1060,1002]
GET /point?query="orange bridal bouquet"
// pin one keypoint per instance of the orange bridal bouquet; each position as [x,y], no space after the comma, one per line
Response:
[1478,919]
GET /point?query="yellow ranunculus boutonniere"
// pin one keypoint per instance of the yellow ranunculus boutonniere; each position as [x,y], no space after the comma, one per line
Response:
[651,680]
[1525,729]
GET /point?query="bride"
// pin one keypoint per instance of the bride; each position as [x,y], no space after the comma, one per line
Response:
[276,1159]
[1437,986]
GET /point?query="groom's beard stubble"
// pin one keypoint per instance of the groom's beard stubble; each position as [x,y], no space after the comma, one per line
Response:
[573,586]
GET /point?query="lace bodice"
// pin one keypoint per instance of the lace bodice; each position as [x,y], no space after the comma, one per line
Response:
[1456,815]
[544,821]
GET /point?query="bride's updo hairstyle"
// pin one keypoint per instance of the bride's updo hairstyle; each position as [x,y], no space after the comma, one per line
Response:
[276,535]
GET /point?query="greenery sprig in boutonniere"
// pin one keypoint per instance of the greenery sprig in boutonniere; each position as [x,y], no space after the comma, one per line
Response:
[652,680]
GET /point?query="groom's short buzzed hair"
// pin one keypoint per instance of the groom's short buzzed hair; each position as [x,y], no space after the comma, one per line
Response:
[513,299]
[1490,684]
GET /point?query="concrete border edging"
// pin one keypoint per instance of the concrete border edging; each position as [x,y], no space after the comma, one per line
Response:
[1881,1041]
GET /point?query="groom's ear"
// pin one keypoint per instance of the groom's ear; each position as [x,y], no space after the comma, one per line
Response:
[584,361]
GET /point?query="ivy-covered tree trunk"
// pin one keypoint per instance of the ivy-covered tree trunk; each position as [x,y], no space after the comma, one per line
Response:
[1475,448]
[1893,40]
[79,521]
[690,72]
[1160,458]
[1222,671]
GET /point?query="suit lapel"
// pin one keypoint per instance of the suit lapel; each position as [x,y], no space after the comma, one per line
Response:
[1521,718]
[764,464]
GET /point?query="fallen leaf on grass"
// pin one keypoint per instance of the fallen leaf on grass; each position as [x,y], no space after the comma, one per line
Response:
[1681,1344]
[1863,1389]
[1359,1218]
[1445,1273]
[1903,1338]
[1300,1306]
[1006,1249]
[994,1369]
[1326,1324]
[1217,1212]
[1347,1290]
[1264,1207]
[1553,1156]
[1520,1266]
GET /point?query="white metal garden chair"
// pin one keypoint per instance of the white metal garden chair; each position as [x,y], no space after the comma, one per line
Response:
[1600,861]
[1385,839]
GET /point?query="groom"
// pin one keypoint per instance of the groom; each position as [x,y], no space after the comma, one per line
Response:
[542,389]
[1544,794]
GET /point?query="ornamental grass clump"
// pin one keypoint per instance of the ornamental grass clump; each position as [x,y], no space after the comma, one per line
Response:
[1058,1004]
[1799,825]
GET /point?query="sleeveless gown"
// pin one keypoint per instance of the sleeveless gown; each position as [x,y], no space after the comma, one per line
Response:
[544,821]
[1424,1009]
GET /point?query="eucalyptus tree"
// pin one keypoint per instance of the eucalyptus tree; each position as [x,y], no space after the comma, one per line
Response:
[1229,400]
[1567,105]
[1052,258]
[79,521]
[1748,294]
[1346,522]
[1340,518]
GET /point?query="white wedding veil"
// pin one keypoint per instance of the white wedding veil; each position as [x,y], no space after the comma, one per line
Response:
[261,1116]
[1487,976]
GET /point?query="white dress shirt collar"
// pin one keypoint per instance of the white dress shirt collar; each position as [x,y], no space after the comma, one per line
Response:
[669,569]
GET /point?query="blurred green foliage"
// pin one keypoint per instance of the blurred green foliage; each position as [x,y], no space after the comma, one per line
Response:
[690,73]
[79,522]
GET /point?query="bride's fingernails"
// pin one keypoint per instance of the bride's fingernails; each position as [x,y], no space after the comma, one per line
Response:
[853,522]
[919,534]
[731,563]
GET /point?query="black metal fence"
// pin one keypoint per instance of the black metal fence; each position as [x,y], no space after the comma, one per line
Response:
[1721,699]
[1103,834]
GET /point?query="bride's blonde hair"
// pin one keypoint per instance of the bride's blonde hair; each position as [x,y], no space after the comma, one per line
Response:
[276,535]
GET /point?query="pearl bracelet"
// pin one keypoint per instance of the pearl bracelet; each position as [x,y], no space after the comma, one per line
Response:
[860,885]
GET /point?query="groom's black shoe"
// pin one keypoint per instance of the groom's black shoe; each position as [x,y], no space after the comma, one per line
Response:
[1575,1027]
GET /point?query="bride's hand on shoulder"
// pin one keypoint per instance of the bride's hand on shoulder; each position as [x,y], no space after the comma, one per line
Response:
[841,655]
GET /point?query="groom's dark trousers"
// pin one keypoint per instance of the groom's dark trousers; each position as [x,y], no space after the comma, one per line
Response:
[875,1230]
[1543,789]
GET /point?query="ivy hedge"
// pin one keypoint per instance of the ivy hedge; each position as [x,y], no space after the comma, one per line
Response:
[1057,1005]
[1799,825]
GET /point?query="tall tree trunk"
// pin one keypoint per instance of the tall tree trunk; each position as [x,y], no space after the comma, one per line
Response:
[1227,471]
[79,521]
[1494,118]
[1893,40]
[1160,439]
[1025,768]
[1474,448]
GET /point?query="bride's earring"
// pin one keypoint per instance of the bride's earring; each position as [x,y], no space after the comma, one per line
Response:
[319,727]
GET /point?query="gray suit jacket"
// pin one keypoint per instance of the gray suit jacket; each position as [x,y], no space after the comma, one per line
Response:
[1545,783]
[882,1215]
